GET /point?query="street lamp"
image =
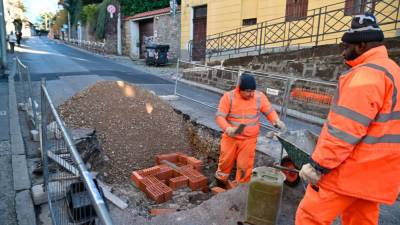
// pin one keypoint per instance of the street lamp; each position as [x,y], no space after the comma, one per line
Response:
[65,5]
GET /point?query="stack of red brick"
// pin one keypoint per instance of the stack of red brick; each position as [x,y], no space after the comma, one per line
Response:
[159,181]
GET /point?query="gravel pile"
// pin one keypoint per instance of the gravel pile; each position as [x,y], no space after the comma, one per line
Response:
[133,126]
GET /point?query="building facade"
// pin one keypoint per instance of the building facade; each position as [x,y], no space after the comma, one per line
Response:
[158,27]
[237,24]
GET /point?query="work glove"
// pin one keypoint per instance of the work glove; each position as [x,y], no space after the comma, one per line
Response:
[281,125]
[230,131]
[309,174]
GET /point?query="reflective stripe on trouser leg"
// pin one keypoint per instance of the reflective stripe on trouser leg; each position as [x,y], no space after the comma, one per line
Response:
[226,158]
[324,206]
[245,159]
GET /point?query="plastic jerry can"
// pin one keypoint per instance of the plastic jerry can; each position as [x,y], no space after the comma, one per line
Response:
[264,196]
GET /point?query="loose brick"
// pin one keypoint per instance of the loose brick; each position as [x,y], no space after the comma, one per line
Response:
[136,178]
[167,191]
[155,193]
[144,183]
[178,182]
[217,190]
[165,173]
[196,163]
[172,157]
[197,183]
[156,212]
[150,171]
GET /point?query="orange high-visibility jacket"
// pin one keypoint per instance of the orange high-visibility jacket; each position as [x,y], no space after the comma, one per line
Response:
[360,142]
[234,110]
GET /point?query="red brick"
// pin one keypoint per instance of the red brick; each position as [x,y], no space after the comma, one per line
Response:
[167,191]
[155,193]
[149,171]
[196,163]
[197,183]
[217,190]
[171,157]
[165,173]
[144,183]
[136,178]
[156,212]
[178,182]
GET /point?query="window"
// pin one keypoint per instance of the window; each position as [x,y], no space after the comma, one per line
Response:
[354,7]
[249,22]
[296,9]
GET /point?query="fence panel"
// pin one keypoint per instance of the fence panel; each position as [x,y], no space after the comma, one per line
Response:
[310,100]
[25,86]
[73,195]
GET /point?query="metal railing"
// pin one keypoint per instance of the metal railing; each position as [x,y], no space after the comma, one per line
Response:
[25,86]
[300,98]
[73,195]
[94,46]
[321,26]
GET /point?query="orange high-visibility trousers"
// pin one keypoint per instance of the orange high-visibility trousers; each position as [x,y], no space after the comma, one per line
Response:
[324,206]
[240,150]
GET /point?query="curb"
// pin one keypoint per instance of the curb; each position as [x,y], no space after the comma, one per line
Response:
[23,199]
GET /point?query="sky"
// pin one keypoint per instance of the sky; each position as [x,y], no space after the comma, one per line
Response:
[36,7]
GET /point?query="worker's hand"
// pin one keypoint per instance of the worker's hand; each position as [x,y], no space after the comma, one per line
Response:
[230,131]
[281,125]
[309,174]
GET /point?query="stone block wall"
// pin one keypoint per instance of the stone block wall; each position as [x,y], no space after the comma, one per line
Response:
[167,30]
[126,37]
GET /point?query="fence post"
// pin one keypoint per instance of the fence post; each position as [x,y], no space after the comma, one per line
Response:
[261,37]
[43,134]
[176,77]
[286,97]
[319,23]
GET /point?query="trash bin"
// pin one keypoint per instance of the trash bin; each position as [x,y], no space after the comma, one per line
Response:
[157,54]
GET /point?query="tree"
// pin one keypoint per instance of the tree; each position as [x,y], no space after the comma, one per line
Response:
[44,20]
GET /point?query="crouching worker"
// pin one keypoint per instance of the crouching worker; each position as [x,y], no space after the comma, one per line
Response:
[238,116]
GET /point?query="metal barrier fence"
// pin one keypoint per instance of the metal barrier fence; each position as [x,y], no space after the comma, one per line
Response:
[303,99]
[320,26]
[94,46]
[25,85]
[73,195]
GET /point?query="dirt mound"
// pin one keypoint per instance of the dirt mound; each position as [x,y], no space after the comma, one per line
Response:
[132,124]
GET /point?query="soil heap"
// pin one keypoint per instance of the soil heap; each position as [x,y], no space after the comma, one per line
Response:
[132,124]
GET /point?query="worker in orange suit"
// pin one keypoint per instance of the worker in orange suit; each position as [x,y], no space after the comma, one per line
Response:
[356,162]
[243,105]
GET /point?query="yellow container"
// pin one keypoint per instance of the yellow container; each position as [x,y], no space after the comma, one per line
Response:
[264,196]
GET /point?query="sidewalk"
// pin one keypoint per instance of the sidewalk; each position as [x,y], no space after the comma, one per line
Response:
[15,197]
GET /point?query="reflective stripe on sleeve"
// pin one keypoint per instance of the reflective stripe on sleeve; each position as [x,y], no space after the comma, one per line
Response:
[385,117]
[387,138]
[390,76]
[352,115]
[342,135]
[221,114]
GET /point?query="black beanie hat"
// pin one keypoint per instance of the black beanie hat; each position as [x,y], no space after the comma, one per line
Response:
[363,29]
[247,82]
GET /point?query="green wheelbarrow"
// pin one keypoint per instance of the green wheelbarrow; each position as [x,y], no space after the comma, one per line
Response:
[299,146]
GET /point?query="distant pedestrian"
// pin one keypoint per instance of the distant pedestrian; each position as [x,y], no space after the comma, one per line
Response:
[19,37]
[11,40]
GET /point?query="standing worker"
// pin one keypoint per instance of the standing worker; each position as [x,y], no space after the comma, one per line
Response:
[242,105]
[11,40]
[356,162]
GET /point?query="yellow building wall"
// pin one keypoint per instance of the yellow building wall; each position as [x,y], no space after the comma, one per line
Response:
[225,15]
